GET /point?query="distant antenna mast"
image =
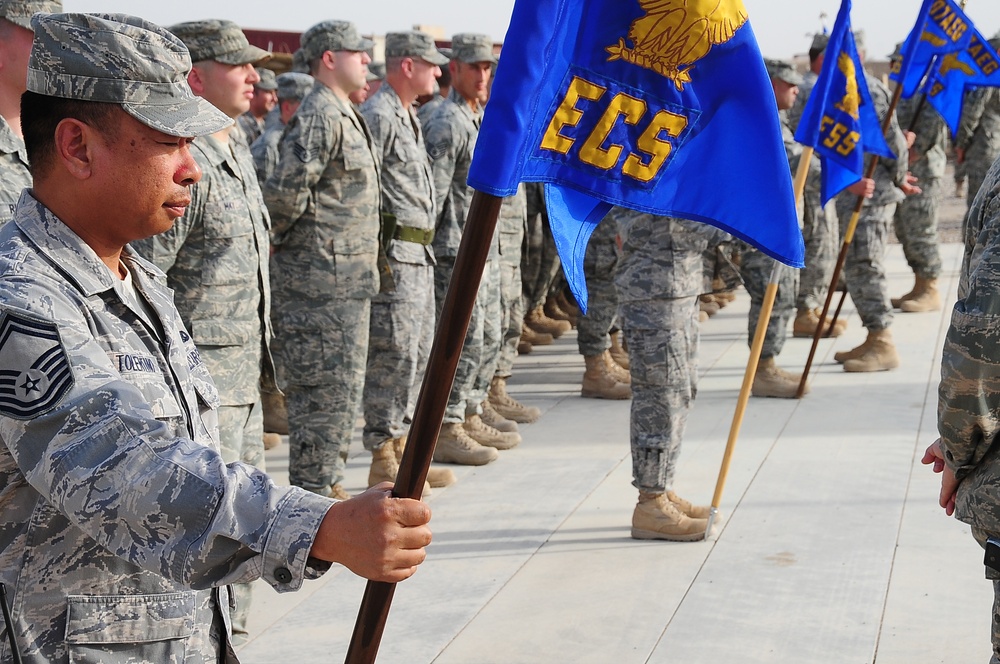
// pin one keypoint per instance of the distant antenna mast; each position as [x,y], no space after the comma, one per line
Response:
[822,21]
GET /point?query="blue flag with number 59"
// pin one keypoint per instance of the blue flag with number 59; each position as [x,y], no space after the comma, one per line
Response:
[839,120]
[662,106]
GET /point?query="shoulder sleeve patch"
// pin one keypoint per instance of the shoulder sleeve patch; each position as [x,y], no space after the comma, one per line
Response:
[305,153]
[34,369]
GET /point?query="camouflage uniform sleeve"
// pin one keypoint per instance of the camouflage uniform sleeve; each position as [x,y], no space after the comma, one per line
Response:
[972,110]
[166,504]
[896,169]
[162,249]
[380,129]
[442,150]
[969,393]
[310,141]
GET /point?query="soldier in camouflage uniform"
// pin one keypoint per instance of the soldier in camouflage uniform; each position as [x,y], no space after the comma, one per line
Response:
[864,269]
[603,378]
[819,222]
[442,89]
[450,134]
[15,44]
[659,278]
[402,320]
[122,522]
[756,267]
[505,411]
[292,89]
[977,144]
[916,217]
[216,255]
[968,403]
[540,265]
[265,98]
[324,202]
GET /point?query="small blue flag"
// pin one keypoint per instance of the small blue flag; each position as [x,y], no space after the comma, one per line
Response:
[941,28]
[662,106]
[977,65]
[839,120]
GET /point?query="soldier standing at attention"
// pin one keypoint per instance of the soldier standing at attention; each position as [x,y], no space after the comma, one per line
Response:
[15,45]
[123,524]
[659,276]
[265,98]
[916,218]
[292,89]
[402,320]
[968,397]
[819,222]
[864,269]
[216,255]
[450,134]
[977,144]
[324,202]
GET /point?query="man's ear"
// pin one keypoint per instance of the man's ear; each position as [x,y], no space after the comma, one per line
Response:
[196,81]
[73,146]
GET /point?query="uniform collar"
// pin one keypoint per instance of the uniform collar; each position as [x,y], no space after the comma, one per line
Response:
[460,101]
[10,143]
[66,250]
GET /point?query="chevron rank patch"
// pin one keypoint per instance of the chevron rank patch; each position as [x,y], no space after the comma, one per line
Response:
[34,370]
[305,153]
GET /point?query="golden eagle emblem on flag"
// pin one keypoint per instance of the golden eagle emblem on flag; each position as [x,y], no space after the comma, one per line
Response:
[674,34]
[852,98]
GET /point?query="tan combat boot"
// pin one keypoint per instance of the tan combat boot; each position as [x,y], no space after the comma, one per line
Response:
[598,383]
[880,355]
[523,347]
[455,446]
[385,467]
[807,320]
[685,507]
[618,353]
[856,352]
[484,434]
[494,419]
[771,381]
[275,412]
[896,301]
[436,477]
[925,297]
[271,440]
[657,517]
[555,312]
[338,492]
[617,371]
[708,305]
[568,306]
[508,406]
[539,322]
[534,337]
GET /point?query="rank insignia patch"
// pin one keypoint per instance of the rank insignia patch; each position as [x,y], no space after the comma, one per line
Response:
[34,370]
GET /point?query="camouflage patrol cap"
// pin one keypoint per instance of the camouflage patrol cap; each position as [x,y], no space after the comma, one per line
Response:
[819,42]
[267,80]
[376,72]
[294,86]
[19,12]
[413,44]
[333,36]
[783,71]
[120,59]
[470,47]
[446,52]
[299,62]
[897,54]
[219,40]
[859,40]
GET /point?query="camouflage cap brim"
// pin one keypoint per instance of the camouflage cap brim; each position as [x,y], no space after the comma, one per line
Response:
[251,55]
[20,13]
[185,119]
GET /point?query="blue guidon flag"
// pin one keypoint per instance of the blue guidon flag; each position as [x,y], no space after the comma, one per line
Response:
[35,373]
[662,106]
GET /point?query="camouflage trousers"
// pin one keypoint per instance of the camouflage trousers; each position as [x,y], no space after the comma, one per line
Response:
[324,374]
[981,537]
[755,268]
[602,307]
[540,266]
[864,268]
[401,329]
[819,231]
[241,438]
[481,351]
[512,316]
[662,340]
[975,172]
[915,223]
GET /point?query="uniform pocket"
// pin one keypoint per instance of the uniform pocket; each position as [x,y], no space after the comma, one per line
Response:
[129,628]
[230,255]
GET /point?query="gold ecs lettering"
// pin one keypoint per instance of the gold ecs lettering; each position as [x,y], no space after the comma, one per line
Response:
[631,110]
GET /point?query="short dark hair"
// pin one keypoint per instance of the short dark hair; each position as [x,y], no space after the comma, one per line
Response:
[814,54]
[41,114]
[444,80]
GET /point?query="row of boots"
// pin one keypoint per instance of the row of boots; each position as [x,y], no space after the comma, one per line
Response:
[547,322]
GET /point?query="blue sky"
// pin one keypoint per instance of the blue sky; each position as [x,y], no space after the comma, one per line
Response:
[782,26]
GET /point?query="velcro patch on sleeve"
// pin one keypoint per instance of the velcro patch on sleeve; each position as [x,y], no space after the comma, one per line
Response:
[35,373]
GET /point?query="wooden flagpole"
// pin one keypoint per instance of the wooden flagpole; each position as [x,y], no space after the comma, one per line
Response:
[431,402]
